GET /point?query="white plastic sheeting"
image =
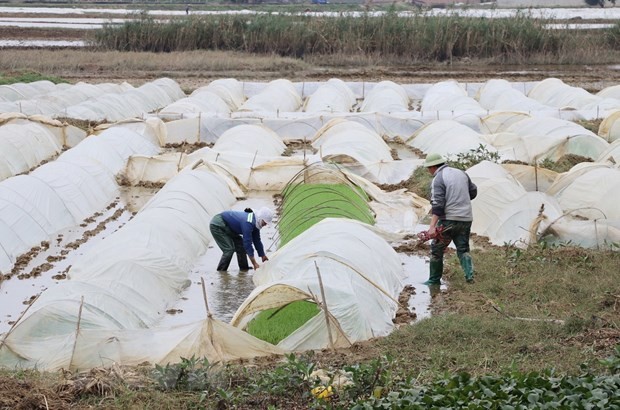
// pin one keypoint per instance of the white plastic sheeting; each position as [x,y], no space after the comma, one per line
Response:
[386,96]
[340,139]
[54,102]
[555,93]
[499,121]
[448,138]
[279,95]
[62,193]
[19,91]
[333,96]
[450,97]
[251,139]
[396,211]
[132,103]
[611,154]
[124,282]
[361,276]
[532,178]
[598,233]
[204,101]
[609,129]
[209,338]
[589,190]
[228,89]
[248,171]
[27,142]
[534,139]
[501,95]
[504,211]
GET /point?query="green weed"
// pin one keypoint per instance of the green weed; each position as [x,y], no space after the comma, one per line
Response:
[27,77]
[190,374]
[466,160]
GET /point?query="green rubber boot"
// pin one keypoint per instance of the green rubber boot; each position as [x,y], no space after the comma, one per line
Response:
[435,272]
[468,266]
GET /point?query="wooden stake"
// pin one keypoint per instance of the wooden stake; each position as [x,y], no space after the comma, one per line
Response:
[329,329]
[77,331]
[17,321]
[204,296]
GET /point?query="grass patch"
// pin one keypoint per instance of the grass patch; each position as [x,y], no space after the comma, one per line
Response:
[577,286]
[304,205]
[274,325]
[27,77]
[565,163]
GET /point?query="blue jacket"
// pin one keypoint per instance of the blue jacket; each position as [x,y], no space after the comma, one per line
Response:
[244,223]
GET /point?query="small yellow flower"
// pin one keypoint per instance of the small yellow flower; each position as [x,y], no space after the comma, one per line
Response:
[322,392]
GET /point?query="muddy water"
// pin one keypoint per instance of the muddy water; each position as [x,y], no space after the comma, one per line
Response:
[65,248]
[225,291]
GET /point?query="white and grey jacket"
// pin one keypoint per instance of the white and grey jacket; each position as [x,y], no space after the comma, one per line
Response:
[451,194]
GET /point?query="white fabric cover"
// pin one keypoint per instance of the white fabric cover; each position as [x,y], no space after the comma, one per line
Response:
[499,94]
[534,139]
[229,90]
[500,121]
[251,139]
[132,103]
[554,92]
[589,190]
[64,192]
[128,279]
[530,177]
[386,97]
[448,138]
[503,211]
[609,129]
[332,96]
[24,145]
[278,96]
[341,140]
[54,101]
[361,276]
[450,96]
[611,154]
[204,101]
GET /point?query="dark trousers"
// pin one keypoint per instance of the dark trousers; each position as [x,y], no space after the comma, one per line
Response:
[229,242]
[459,232]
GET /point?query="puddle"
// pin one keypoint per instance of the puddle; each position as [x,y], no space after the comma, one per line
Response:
[416,271]
[42,43]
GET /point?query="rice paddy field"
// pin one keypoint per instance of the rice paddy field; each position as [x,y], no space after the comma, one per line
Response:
[539,328]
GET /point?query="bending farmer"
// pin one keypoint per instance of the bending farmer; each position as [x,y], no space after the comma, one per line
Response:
[451,195]
[237,231]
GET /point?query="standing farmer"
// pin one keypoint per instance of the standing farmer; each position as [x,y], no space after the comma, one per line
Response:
[237,231]
[451,195]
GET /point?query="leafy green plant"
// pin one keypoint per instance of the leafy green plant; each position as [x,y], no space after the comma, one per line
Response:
[466,160]
[613,361]
[191,374]
[293,377]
